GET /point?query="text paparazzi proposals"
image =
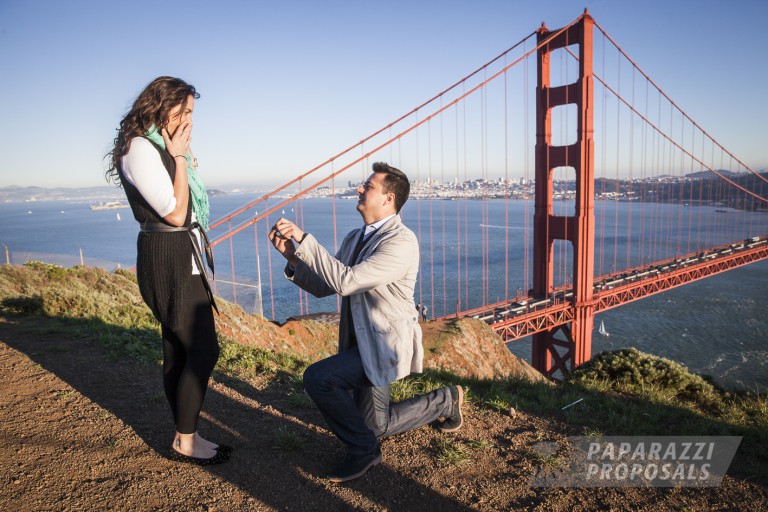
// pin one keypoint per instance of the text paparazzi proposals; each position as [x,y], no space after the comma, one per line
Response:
[635,461]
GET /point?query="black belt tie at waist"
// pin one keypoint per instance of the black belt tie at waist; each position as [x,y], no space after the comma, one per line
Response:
[159,227]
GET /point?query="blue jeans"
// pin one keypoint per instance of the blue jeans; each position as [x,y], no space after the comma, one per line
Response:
[360,413]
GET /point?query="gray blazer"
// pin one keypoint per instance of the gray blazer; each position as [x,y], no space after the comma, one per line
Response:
[380,288]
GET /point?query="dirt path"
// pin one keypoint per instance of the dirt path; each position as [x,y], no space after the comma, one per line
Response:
[81,430]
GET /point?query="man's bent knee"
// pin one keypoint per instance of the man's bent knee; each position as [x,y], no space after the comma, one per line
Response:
[379,430]
[313,378]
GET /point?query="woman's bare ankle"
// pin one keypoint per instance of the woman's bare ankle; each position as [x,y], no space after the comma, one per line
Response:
[187,444]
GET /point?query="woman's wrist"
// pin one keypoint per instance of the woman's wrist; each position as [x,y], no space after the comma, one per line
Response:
[179,156]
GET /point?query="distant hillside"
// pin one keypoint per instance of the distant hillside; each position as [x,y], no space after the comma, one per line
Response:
[21,194]
[699,188]
[709,175]
[14,194]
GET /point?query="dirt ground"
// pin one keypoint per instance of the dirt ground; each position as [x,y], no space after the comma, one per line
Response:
[82,430]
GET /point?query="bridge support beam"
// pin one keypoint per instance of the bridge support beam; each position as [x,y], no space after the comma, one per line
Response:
[558,351]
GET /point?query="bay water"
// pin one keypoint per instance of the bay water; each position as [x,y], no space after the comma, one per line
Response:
[717,326]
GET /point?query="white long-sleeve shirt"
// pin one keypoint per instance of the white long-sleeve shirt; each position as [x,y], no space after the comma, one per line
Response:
[144,169]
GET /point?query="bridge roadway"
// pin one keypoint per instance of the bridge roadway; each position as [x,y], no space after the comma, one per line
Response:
[528,315]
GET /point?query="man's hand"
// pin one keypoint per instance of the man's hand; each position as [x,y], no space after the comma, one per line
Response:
[282,235]
[288,229]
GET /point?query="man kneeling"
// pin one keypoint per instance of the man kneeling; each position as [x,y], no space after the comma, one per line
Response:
[374,271]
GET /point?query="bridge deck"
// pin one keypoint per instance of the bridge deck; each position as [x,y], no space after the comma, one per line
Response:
[526,316]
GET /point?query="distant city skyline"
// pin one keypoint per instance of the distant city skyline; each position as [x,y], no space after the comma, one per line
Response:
[285,85]
[498,188]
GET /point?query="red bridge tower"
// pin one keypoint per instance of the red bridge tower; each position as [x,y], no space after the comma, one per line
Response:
[563,348]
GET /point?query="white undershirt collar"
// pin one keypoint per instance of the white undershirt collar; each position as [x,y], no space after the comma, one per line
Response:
[370,228]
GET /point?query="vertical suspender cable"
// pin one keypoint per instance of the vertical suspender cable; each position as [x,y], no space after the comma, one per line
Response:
[484,195]
[643,180]
[680,170]
[618,166]
[668,252]
[506,191]
[269,265]
[699,243]
[459,200]
[693,202]
[297,221]
[466,207]
[442,217]
[418,217]
[431,224]
[258,269]
[527,227]
[232,261]
[335,229]
[630,166]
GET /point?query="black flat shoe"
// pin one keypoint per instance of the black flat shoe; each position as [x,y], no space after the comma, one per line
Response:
[219,458]
[224,448]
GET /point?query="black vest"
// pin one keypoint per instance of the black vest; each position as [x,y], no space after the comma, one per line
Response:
[164,260]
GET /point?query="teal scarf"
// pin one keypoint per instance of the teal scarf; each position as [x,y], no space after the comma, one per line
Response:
[196,188]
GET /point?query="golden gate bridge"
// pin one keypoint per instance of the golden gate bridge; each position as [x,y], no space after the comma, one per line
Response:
[568,111]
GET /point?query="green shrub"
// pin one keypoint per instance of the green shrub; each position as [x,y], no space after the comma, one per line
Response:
[23,305]
[126,274]
[51,271]
[632,371]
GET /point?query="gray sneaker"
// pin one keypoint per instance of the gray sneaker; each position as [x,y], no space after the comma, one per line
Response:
[354,467]
[455,420]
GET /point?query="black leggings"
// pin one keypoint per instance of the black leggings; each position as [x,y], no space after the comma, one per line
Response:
[189,355]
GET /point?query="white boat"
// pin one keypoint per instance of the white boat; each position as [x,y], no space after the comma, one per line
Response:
[602,331]
[118,215]
[109,205]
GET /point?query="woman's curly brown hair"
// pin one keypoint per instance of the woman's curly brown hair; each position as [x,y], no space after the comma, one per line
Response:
[152,107]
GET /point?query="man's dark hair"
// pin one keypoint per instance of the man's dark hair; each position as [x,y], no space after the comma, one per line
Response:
[395,181]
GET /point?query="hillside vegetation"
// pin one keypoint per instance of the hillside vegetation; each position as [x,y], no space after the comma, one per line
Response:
[622,393]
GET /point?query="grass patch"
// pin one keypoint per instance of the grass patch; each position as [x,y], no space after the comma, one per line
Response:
[288,440]
[498,404]
[413,385]
[480,444]
[592,432]
[546,460]
[450,451]
[91,303]
[82,303]
[299,398]
[236,359]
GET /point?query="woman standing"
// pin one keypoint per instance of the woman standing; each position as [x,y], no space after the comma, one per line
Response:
[152,161]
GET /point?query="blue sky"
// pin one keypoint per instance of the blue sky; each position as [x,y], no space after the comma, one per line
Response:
[286,84]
